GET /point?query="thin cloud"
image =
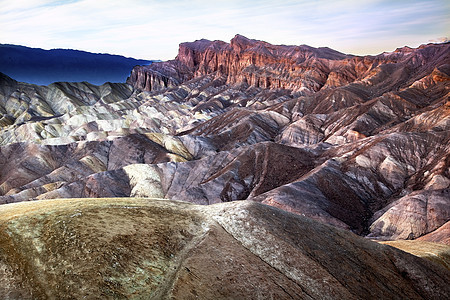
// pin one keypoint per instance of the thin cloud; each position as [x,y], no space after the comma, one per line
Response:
[440,40]
[153,29]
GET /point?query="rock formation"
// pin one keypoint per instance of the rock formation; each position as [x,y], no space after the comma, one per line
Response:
[150,249]
[361,143]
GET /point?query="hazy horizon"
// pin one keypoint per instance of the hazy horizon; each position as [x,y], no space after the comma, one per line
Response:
[153,30]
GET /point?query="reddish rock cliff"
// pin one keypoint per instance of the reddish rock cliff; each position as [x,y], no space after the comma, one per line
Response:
[301,69]
[243,60]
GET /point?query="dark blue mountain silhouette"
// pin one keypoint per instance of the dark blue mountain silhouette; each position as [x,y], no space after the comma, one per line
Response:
[38,66]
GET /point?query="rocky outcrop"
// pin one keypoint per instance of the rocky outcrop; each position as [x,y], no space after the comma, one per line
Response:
[302,69]
[243,60]
[413,215]
[160,249]
[440,235]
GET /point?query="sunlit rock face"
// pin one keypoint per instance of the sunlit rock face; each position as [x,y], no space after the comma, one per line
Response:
[121,248]
[361,143]
[243,60]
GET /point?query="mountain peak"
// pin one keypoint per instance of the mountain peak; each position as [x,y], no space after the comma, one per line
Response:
[240,42]
[197,45]
[241,38]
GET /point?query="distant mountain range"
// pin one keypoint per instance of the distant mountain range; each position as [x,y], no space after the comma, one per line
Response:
[39,66]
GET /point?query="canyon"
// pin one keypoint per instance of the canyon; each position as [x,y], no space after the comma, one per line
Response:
[339,145]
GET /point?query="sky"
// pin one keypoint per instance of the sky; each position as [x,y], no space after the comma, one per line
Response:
[150,29]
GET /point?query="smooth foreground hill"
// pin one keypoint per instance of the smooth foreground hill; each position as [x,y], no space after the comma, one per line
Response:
[130,248]
[38,66]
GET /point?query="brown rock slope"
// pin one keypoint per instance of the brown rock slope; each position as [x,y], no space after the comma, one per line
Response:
[159,249]
[361,143]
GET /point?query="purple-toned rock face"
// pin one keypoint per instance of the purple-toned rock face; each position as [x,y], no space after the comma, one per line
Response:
[361,143]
